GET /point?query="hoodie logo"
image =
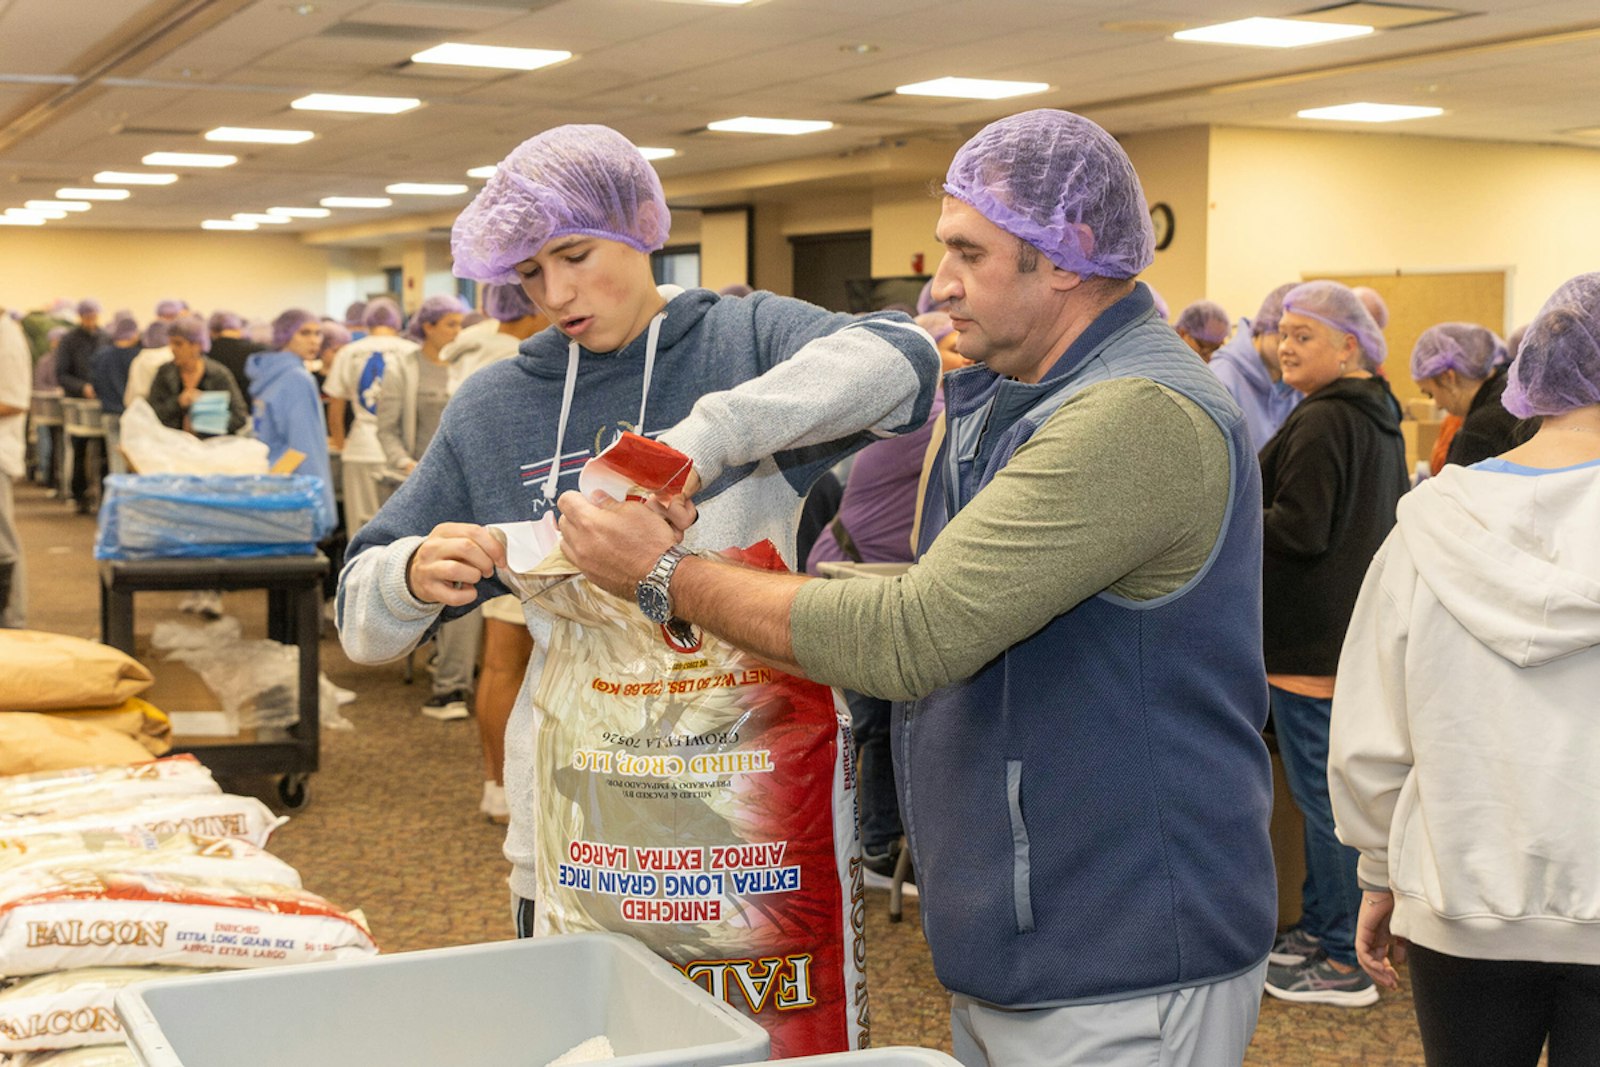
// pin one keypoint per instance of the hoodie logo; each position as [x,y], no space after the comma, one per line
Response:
[371,383]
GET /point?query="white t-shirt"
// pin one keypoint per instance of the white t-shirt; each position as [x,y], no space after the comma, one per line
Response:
[16,390]
[357,377]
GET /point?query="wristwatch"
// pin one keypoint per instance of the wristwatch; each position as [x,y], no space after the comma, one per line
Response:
[654,592]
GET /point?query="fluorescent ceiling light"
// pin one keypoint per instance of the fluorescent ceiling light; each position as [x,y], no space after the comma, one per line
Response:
[482,172]
[488,55]
[787,127]
[1271,33]
[257,217]
[1370,112]
[972,88]
[365,105]
[300,212]
[35,213]
[226,224]
[425,189]
[93,194]
[56,205]
[250,135]
[355,201]
[188,159]
[125,177]
[19,220]
[658,153]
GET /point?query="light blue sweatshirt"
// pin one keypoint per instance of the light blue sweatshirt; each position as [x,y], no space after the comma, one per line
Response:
[288,414]
[1265,403]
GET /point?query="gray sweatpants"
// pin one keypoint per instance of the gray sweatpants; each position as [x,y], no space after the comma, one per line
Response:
[16,612]
[458,653]
[1200,1026]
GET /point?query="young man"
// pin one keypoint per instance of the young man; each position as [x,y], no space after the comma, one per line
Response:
[1248,368]
[353,384]
[1081,772]
[763,393]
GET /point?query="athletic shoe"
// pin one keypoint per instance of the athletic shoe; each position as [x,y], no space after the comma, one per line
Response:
[446,707]
[1294,946]
[1318,982]
[493,803]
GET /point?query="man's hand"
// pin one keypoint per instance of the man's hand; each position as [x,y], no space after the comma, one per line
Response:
[615,544]
[88,392]
[448,565]
[187,398]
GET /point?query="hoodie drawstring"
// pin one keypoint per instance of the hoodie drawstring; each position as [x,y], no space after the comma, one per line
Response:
[649,368]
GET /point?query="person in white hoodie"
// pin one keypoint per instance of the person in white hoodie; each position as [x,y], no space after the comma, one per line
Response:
[512,320]
[1464,761]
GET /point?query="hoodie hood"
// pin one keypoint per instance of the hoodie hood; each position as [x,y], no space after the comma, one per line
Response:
[1240,354]
[264,369]
[1370,396]
[1514,558]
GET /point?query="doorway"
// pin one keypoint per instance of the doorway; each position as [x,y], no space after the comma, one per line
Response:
[824,264]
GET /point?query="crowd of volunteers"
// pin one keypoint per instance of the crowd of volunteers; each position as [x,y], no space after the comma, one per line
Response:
[1134,560]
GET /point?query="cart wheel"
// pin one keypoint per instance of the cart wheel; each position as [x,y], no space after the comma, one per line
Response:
[294,791]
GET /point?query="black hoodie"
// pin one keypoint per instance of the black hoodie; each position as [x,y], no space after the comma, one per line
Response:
[1330,480]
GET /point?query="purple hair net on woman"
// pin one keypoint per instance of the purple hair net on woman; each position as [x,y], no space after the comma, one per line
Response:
[1204,320]
[171,307]
[155,334]
[588,181]
[1558,367]
[1464,347]
[1062,184]
[1335,305]
[1372,300]
[54,336]
[334,337]
[432,310]
[288,324]
[191,328]
[1270,311]
[507,303]
[381,312]
[124,327]
[354,313]
[89,306]
[224,320]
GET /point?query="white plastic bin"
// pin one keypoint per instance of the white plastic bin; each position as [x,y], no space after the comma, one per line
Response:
[893,1056]
[520,1003]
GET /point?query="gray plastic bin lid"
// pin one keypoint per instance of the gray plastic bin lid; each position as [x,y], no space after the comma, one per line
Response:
[892,1056]
[507,1004]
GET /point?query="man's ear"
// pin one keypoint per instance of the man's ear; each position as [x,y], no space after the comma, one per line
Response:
[1064,280]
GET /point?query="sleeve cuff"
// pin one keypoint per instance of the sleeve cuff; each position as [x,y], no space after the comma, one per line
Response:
[397,595]
[1372,872]
[698,439]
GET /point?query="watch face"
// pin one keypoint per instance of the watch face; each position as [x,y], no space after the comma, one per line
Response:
[653,602]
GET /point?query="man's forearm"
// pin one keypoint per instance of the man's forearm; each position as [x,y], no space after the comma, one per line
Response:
[746,607]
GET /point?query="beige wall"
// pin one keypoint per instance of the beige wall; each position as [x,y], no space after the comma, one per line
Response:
[1293,202]
[903,221]
[724,248]
[257,275]
[1173,169]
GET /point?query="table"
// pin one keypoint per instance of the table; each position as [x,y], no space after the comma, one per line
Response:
[294,616]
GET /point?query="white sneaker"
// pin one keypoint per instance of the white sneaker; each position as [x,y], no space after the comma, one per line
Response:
[343,696]
[446,707]
[493,803]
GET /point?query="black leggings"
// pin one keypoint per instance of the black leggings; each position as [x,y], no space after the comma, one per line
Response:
[1498,1013]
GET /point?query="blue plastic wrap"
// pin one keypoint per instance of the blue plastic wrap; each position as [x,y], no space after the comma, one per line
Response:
[159,516]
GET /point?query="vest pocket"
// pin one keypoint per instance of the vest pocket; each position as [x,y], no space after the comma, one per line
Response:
[1021,894]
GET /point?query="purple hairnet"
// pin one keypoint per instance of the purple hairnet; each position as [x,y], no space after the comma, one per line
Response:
[1204,320]
[124,327]
[224,320]
[1464,347]
[1336,305]
[1372,300]
[89,306]
[926,302]
[1558,368]
[171,307]
[472,318]
[507,303]
[381,312]
[56,333]
[1160,303]
[334,337]
[286,325]
[432,310]
[1514,342]
[585,180]
[1042,174]
[353,314]
[1270,311]
[155,334]
[190,328]
[738,289]
[937,323]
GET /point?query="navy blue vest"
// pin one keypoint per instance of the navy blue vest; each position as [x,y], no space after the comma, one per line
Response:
[1089,813]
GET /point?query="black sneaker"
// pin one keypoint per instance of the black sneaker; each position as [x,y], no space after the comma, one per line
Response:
[446,707]
[883,864]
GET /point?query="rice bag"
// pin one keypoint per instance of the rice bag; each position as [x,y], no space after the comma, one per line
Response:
[93,1056]
[141,850]
[214,815]
[173,776]
[53,920]
[704,804]
[70,1009]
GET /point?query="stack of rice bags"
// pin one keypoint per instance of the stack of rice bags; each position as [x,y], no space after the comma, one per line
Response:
[121,874]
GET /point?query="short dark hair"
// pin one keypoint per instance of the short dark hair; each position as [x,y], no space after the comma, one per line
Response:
[1027,257]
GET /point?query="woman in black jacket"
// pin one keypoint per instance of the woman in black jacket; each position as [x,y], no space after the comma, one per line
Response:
[1462,368]
[1330,480]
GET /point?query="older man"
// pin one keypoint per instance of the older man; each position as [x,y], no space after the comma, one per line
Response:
[74,363]
[1080,767]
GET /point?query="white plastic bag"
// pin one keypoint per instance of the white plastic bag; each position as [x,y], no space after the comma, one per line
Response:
[257,681]
[153,448]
